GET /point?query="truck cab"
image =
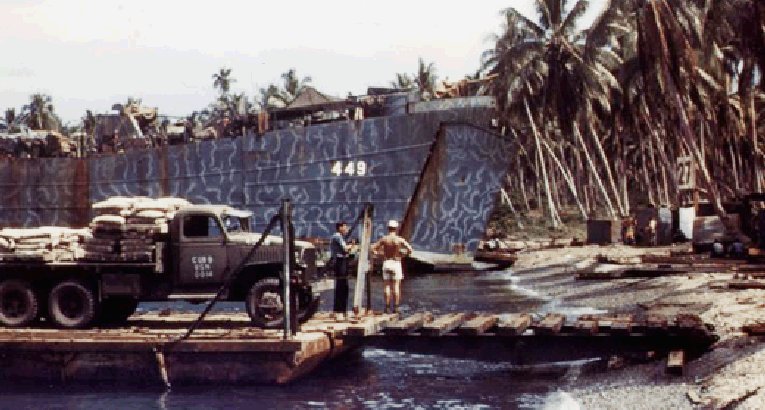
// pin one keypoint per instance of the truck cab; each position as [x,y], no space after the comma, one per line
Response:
[207,242]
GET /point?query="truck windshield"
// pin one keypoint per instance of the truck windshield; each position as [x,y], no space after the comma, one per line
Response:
[236,224]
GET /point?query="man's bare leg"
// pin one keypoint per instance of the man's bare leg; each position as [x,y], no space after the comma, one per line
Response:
[396,294]
[387,293]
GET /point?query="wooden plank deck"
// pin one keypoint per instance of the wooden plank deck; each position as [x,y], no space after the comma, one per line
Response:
[515,325]
[478,325]
[550,324]
[409,324]
[444,324]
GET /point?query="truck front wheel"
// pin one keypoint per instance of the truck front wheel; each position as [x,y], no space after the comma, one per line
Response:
[265,304]
[18,303]
[72,304]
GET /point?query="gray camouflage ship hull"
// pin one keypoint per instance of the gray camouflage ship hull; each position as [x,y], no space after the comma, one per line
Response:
[439,170]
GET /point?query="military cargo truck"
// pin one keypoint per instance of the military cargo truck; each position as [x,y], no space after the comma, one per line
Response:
[200,250]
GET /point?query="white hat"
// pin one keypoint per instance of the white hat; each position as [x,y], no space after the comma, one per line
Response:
[393,224]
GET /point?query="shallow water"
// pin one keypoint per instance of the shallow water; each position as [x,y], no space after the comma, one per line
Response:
[368,378]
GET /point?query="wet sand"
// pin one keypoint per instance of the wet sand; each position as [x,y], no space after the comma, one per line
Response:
[730,375]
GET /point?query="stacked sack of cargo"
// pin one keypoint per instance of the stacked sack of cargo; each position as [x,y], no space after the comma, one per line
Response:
[125,228]
[47,243]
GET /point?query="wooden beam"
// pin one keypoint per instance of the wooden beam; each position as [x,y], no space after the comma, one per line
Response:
[617,324]
[514,325]
[443,324]
[746,284]
[755,329]
[369,325]
[550,325]
[675,362]
[409,324]
[621,326]
[586,326]
[656,323]
[478,325]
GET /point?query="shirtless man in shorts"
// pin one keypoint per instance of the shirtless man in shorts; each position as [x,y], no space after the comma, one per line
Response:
[392,248]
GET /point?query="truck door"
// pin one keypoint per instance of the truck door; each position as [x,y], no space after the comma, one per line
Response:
[202,253]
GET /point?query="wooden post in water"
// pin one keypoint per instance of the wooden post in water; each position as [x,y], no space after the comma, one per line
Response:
[364,265]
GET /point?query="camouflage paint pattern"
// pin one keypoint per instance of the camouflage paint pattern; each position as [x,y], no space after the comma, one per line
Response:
[253,172]
[458,190]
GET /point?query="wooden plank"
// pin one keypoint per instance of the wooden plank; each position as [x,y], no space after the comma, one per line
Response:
[754,329]
[443,324]
[550,325]
[364,266]
[675,362]
[619,323]
[622,324]
[478,325]
[369,325]
[514,325]
[657,323]
[586,326]
[689,321]
[746,284]
[409,324]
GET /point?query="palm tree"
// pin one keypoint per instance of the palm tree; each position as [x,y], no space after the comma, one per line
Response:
[222,80]
[239,104]
[564,74]
[39,113]
[426,78]
[677,79]
[292,86]
[269,96]
[403,81]
[89,122]
[10,117]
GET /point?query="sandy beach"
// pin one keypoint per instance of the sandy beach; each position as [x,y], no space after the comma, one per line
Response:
[727,376]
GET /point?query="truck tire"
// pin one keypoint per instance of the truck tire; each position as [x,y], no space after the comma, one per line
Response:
[18,303]
[72,305]
[116,310]
[265,306]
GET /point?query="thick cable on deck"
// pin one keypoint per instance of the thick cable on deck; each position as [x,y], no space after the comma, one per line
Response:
[227,284]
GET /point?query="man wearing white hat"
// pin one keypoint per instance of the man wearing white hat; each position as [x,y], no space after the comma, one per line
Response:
[392,248]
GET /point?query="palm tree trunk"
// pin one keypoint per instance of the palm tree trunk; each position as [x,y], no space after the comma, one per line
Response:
[734,164]
[522,181]
[757,154]
[553,212]
[568,178]
[647,180]
[506,199]
[594,171]
[606,162]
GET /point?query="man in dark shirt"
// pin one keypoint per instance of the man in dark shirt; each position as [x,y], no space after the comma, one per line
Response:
[339,253]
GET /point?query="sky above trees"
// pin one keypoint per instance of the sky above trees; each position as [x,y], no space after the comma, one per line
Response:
[91,54]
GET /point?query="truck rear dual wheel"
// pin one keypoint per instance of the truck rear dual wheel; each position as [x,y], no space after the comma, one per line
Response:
[18,303]
[72,304]
[265,305]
